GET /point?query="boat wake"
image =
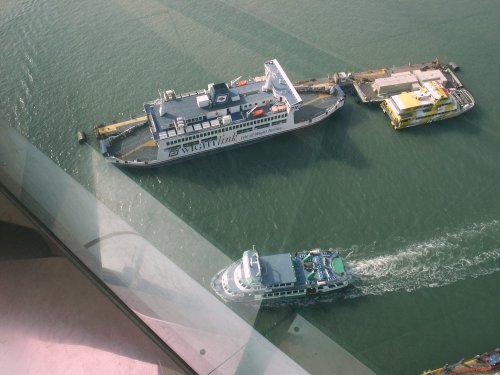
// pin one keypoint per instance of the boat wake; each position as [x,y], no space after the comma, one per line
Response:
[445,259]
[470,252]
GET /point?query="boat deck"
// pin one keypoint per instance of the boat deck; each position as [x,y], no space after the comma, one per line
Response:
[113,128]
[322,271]
[314,104]
[138,145]
[363,81]
[304,273]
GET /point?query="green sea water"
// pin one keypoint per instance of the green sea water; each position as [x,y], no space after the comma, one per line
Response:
[416,213]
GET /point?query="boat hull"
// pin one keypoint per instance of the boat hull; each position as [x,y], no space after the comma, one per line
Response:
[152,141]
[228,286]
[159,163]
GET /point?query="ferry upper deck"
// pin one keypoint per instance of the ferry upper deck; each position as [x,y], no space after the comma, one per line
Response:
[241,100]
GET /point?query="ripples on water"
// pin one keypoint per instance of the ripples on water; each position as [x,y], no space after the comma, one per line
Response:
[451,257]
[469,252]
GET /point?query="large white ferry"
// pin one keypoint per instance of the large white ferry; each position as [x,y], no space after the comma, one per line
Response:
[175,127]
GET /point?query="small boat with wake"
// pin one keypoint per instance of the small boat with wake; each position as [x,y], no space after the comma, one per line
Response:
[257,278]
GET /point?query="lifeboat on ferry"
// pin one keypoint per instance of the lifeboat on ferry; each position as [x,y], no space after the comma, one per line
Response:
[258,112]
[240,83]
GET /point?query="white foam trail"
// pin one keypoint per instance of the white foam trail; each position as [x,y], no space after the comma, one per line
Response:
[470,252]
[467,253]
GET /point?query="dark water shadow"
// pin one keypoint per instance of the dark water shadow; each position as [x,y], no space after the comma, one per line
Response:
[281,155]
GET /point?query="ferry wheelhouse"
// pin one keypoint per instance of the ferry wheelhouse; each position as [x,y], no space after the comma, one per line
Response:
[432,102]
[256,278]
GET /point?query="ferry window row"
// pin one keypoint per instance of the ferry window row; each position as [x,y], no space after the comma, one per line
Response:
[196,136]
[244,285]
[246,106]
[279,285]
[229,128]
[196,119]
[284,293]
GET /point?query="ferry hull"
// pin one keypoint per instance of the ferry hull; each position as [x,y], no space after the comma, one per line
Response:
[160,163]
[223,116]
[311,292]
